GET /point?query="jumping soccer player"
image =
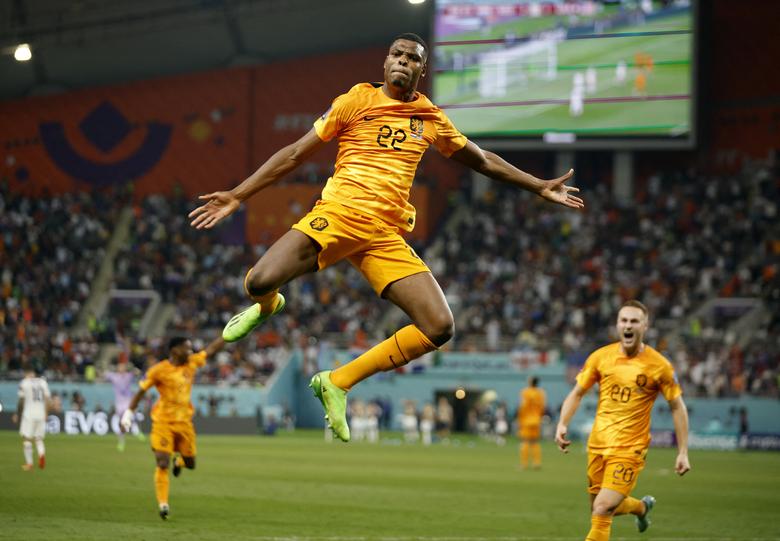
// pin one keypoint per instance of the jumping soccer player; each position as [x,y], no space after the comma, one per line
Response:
[172,429]
[630,375]
[383,131]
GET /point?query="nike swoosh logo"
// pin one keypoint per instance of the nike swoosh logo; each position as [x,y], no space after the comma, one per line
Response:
[367,118]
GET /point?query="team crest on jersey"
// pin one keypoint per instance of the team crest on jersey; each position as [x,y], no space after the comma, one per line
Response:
[318,224]
[641,380]
[416,127]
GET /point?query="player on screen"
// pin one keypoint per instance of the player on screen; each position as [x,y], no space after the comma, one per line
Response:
[383,131]
[630,375]
[529,421]
[172,429]
[122,380]
[31,413]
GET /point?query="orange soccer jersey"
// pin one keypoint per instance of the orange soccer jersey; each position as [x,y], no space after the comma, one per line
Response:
[381,141]
[529,416]
[628,388]
[174,383]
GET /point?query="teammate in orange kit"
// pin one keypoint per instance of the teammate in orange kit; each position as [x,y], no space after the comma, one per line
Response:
[172,429]
[383,131]
[630,375]
[529,421]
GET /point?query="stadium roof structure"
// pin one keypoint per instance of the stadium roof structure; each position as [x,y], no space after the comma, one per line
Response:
[82,43]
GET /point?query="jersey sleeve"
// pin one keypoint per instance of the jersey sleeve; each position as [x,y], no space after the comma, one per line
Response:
[332,121]
[448,138]
[150,378]
[668,383]
[589,374]
[197,359]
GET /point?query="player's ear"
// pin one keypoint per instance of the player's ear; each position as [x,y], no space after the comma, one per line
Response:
[424,69]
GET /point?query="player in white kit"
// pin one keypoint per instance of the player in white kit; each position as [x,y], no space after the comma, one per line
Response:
[32,408]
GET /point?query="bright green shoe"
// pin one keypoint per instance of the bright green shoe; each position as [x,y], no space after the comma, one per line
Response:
[244,322]
[642,523]
[334,400]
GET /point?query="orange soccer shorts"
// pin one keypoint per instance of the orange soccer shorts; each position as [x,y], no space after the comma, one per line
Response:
[615,472]
[174,437]
[375,248]
[530,431]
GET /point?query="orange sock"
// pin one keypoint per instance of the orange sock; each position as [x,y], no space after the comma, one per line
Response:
[536,454]
[524,448]
[600,527]
[267,302]
[630,506]
[161,483]
[404,346]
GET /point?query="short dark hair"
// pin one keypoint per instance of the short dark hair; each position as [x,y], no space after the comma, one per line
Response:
[636,304]
[176,341]
[534,381]
[413,37]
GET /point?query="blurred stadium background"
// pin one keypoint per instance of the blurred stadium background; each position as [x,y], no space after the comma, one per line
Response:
[127,110]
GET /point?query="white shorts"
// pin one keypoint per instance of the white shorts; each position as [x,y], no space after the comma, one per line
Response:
[32,429]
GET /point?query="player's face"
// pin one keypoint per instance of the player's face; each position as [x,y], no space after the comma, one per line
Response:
[631,327]
[404,65]
[182,351]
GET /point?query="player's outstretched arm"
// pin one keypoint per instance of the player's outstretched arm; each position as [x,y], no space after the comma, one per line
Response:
[495,167]
[568,409]
[219,205]
[680,418]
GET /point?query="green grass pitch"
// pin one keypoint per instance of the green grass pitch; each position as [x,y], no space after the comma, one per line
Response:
[671,76]
[297,487]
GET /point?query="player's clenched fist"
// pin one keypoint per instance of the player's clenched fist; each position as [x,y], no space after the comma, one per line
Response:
[560,438]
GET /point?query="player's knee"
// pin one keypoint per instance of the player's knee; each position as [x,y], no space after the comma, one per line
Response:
[261,281]
[603,509]
[440,330]
[162,463]
[189,462]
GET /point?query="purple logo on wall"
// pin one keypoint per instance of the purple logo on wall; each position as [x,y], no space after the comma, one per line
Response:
[105,127]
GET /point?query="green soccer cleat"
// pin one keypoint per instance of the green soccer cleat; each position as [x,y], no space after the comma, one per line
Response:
[642,523]
[244,322]
[334,400]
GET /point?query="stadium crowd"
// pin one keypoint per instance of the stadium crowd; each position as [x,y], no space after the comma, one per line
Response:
[520,275]
[50,250]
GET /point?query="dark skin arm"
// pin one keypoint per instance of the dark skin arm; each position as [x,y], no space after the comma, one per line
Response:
[19,409]
[493,166]
[222,204]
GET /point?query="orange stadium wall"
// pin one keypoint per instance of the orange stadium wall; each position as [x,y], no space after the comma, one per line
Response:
[197,133]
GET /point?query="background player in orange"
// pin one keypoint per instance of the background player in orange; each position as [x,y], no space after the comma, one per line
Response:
[630,375]
[383,131]
[529,421]
[172,429]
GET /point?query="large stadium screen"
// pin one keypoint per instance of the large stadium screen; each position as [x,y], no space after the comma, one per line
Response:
[587,73]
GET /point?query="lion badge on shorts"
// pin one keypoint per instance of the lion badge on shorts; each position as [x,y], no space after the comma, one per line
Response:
[416,127]
[318,223]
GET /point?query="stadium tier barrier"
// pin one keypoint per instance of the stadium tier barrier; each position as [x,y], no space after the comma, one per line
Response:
[484,377]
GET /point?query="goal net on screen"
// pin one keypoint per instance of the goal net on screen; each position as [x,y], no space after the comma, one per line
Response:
[514,66]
